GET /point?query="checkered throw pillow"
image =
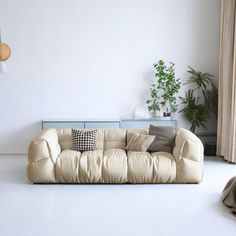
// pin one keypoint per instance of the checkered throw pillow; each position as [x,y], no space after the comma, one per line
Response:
[83,140]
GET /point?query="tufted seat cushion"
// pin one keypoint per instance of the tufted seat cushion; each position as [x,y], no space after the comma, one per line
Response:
[145,167]
[114,166]
[164,169]
[67,167]
[96,166]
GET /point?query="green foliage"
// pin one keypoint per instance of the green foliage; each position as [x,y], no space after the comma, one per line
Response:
[165,89]
[195,113]
[201,101]
[199,78]
[211,100]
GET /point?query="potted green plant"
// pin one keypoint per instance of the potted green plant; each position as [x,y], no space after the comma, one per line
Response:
[200,101]
[163,92]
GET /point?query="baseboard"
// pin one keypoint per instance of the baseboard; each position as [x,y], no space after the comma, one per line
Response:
[12,154]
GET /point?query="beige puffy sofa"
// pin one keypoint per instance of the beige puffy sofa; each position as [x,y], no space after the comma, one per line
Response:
[52,161]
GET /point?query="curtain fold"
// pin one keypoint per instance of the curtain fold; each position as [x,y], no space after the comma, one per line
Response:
[226,130]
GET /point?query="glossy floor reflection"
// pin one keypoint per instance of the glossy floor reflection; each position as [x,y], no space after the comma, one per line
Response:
[114,210]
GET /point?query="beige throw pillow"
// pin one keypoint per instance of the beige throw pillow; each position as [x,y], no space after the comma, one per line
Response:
[139,142]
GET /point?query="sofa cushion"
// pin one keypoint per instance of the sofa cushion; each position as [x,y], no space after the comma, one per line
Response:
[140,167]
[165,137]
[164,167]
[67,167]
[90,166]
[95,166]
[114,167]
[143,167]
[83,140]
[139,142]
[76,167]
[114,138]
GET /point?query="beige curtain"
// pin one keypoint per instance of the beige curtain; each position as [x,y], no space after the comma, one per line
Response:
[226,135]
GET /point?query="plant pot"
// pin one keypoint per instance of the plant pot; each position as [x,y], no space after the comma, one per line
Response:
[154,114]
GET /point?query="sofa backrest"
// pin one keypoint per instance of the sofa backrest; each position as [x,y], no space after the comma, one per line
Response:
[106,138]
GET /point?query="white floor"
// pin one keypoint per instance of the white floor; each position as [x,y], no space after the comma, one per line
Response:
[114,210]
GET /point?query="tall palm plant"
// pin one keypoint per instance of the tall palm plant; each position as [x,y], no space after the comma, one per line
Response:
[200,101]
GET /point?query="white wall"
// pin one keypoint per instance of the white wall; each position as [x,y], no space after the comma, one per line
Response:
[93,58]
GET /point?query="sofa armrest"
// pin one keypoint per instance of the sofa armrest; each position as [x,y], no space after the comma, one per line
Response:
[189,154]
[42,155]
